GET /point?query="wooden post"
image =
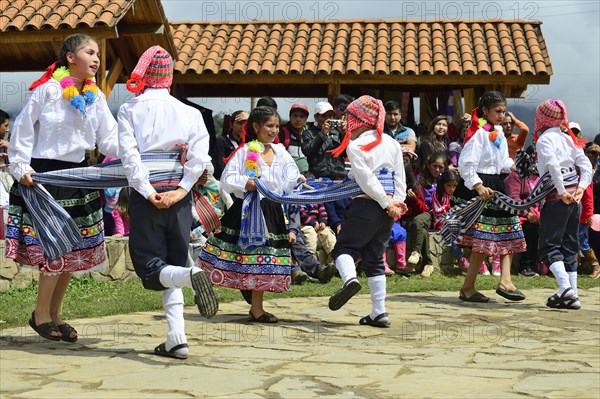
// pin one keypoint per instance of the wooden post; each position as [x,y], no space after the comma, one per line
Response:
[113,74]
[470,99]
[101,74]
[334,89]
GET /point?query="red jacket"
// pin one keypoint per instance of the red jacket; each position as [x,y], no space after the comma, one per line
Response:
[587,204]
[416,206]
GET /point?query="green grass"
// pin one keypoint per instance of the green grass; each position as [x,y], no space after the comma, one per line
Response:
[89,298]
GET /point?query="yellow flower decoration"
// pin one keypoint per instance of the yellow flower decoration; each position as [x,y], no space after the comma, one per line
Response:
[70,92]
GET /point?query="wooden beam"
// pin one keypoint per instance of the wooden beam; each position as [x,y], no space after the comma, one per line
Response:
[141,29]
[120,48]
[416,80]
[51,35]
[333,90]
[470,100]
[113,75]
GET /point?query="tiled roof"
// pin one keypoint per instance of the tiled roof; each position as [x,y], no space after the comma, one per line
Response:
[24,15]
[376,47]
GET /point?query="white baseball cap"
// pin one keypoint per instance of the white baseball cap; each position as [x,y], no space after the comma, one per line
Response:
[323,107]
[574,125]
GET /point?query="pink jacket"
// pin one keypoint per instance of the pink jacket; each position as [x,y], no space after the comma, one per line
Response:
[121,225]
[519,189]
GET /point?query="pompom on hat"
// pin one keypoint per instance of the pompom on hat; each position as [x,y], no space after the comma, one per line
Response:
[364,111]
[154,69]
[553,113]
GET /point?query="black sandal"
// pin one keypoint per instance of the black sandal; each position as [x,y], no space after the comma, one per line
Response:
[476,297]
[563,301]
[376,322]
[66,330]
[161,350]
[45,330]
[266,318]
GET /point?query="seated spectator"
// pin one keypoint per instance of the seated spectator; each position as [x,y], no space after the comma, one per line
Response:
[515,141]
[341,103]
[291,134]
[455,147]
[318,235]
[416,222]
[321,138]
[227,143]
[433,168]
[435,139]
[518,186]
[394,128]
[121,214]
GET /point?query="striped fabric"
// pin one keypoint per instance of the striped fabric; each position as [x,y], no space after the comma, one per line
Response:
[461,217]
[253,230]
[325,190]
[57,231]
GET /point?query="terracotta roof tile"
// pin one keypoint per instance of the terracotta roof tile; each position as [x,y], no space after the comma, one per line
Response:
[359,47]
[21,15]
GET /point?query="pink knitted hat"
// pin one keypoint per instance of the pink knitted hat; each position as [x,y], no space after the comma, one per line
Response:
[553,113]
[154,69]
[364,111]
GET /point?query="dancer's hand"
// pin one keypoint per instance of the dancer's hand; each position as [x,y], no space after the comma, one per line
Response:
[26,180]
[485,193]
[155,199]
[250,184]
[170,198]
[532,218]
[578,195]
[567,198]
[292,238]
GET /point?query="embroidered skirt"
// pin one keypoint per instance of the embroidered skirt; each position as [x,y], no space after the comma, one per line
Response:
[84,207]
[496,231]
[266,268]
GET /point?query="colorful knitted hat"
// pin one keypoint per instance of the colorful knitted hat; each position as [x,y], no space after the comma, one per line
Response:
[553,113]
[364,111]
[154,69]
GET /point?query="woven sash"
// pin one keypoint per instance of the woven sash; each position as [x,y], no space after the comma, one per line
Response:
[461,217]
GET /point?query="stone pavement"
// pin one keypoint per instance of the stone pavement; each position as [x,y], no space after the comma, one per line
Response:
[437,347]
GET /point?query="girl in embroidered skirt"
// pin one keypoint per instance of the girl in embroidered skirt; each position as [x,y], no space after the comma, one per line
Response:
[261,267]
[65,116]
[559,217]
[484,164]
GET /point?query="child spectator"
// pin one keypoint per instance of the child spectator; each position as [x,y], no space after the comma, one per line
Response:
[416,221]
[120,214]
[430,174]
[440,203]
[455,147]
[518,186]
[515,142]
[317,234]
[587,211]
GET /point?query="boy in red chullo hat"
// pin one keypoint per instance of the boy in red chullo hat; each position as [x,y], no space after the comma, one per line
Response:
[368,221]
[557,149]
[154,121]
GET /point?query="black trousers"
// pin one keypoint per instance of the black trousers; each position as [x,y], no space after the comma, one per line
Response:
[559,226]
[365,232]
[158,237]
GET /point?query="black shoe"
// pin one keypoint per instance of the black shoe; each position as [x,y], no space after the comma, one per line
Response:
[299,277]
[326,273]
[527,272]
[343,295]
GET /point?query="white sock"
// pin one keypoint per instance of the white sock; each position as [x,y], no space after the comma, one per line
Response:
[176,276]
[172,299]
[345,266]
[377,287]
[562,278]
[573,281]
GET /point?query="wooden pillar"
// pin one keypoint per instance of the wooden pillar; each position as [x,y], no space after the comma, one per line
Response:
[101,74]
[113,75]
[470,99]
[334,89]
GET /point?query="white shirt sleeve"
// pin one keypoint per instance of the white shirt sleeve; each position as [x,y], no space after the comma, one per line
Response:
[24,135]
[365,177]
[585,169]
[234,178]
[470,157]
[107,135]
[548,161]
[136,172]
[197,154]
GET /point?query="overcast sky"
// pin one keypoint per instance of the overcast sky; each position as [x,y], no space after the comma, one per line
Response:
[571,31]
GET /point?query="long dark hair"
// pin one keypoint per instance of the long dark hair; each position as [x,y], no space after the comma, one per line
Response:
[445,177]
[259,115]
[123,203]
[488,100]
[427,179]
